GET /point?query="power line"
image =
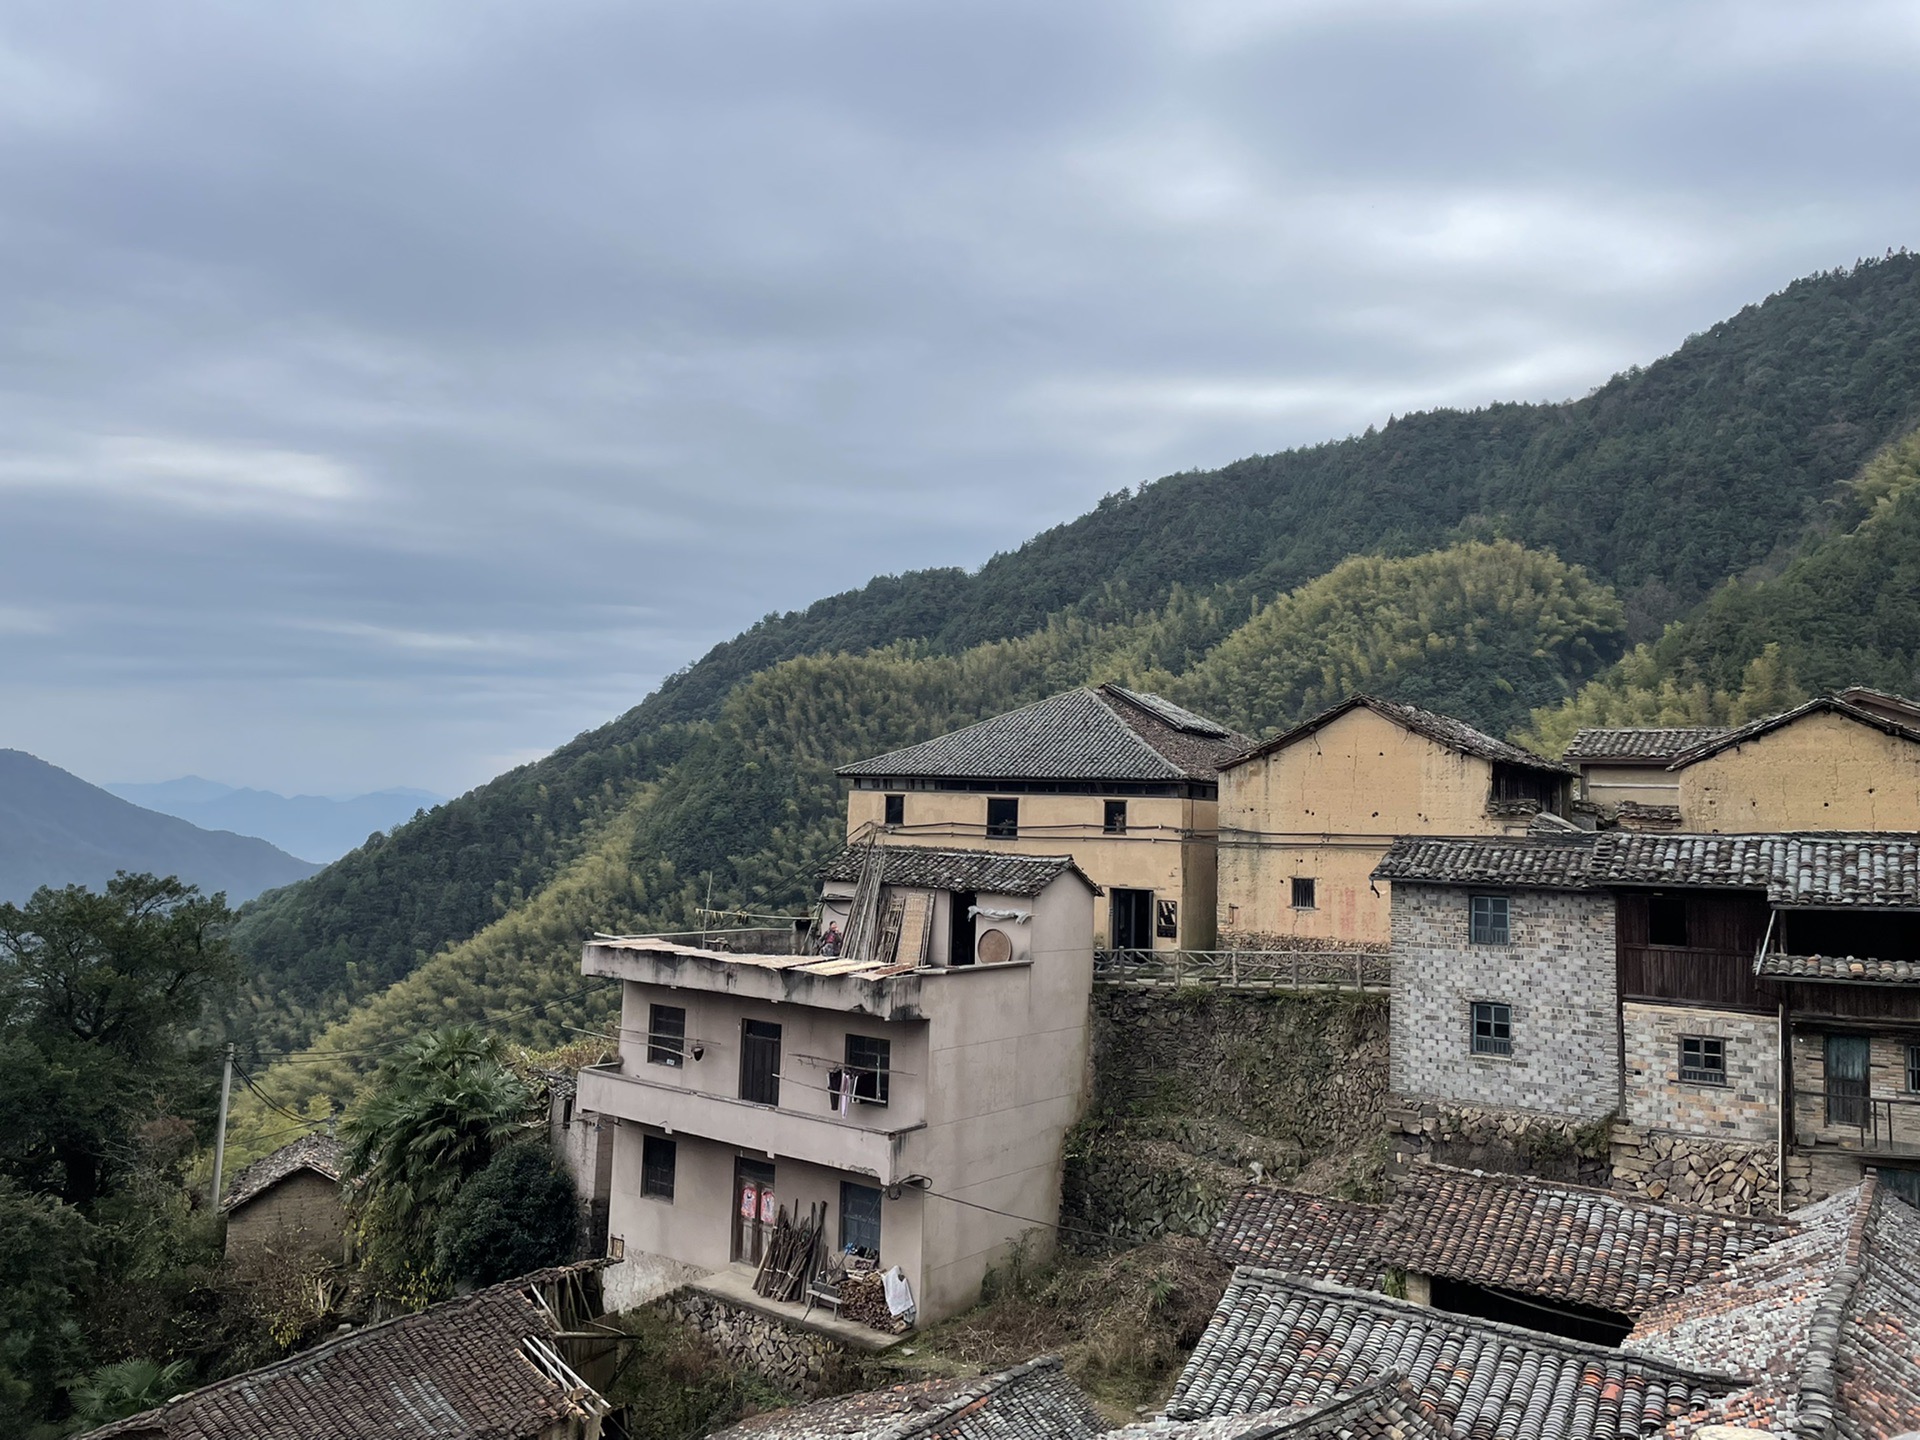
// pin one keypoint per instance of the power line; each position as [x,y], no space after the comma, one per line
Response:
[1103,1238]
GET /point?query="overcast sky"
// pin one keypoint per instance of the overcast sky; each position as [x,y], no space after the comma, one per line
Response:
[390,391]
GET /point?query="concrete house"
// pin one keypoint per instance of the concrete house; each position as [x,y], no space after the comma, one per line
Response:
[1305,817]
[1747,1007]
[289,1203]
[1125,783]
[921,1083]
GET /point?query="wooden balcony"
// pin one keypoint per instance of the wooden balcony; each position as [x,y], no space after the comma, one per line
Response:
[1886,1125]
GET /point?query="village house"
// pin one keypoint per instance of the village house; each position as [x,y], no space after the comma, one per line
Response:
[511,1362]
[1624,771]
[288,1204]
[919,1083]
[1738,1014]
[1305,817]
[1126,783]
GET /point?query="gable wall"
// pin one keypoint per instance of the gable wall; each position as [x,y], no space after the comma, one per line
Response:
[1822,772]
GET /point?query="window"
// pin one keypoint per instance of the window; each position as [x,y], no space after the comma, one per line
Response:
[1666,920]
[1703,1059]
[869,1060]
[666,1034]
[1130,916]
[1492,1028]
[1115,822]
[896,809]
[1003,819]
[1913,1067]
[1488,920]
[760,1062]
[860,1218]
[1166,919]
[657,1157]
[1302,892]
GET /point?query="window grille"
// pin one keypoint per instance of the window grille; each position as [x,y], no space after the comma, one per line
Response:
[1703,1059]
[860,1218]
[1492,1028]
[1488,915]
[1303,888]
[870,1061]
[666,1035]
[657,1161]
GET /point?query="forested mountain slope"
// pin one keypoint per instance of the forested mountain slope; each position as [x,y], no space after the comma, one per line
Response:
[1662,484]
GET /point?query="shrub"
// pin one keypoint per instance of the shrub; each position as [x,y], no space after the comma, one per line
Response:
[516,1215]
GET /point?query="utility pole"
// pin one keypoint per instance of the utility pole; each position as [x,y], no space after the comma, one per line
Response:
[220,1138]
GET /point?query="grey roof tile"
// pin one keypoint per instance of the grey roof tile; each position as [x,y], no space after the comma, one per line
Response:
[1034,1401]
[1454,734]
[1385,1410]
[458,1368]
[1840,968]
[1648,745]
[1092,733]
[1551,862]
[1275,1341]
[1822,705]
[982,871]
[1299,1234]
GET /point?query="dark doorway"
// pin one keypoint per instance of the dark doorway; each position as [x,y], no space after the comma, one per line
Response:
[1132,920]
[1003,819]
[760,1062]
[1847,1080]
[754,1208]
[1576,1322]
[960,926]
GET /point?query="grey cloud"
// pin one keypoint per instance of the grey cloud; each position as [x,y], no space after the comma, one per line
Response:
[388,392]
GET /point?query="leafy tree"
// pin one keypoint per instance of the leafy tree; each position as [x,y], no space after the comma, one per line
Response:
[47,1257]
[125,1388]
[98,994]
[435,1116]
[515,1216]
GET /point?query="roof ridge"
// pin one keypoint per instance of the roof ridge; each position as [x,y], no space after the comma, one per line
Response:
[1817,1390]
[1431,1315]
[1106,701]
[985,1385]
[1752,729]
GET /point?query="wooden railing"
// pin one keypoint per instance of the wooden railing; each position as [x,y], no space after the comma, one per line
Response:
[1871,1124]
[1246,969]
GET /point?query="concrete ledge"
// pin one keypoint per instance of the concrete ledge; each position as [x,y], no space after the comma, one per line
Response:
[735,1287]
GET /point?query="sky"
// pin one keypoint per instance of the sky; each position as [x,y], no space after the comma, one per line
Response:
[390,391]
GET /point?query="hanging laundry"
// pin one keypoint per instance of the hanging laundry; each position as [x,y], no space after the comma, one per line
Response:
[843,1092]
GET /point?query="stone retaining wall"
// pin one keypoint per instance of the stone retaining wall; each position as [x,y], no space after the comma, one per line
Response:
[797,1361]
[1514,1142]
[1738,1177]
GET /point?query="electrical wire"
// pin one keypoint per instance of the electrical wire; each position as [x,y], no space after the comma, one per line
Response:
[907,1184]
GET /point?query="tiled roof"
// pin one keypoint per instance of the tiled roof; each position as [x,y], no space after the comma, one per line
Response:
[321,1154]
[1034,1401]
[983,871]
[1822,1329]
[1812,870]
[1454,734]
[1103,733]
[465,1367]
[1306,1235]
[1275,1342]
[1542,862]
[1385,1410]
[1564,1242]
[1638,745]
[1840,968]
[1824,705]
[1894,707]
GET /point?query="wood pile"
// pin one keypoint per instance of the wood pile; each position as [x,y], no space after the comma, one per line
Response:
[792,1255]
[863,1297]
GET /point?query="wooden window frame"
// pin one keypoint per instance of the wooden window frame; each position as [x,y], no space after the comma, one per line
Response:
[1706,1047]
[1498,1018]
[1475,934]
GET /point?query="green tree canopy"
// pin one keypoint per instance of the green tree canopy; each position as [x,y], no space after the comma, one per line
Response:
[98,993]
[516,1215]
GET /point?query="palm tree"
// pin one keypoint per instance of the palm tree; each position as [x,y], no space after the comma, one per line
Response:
[114,1392]
[437,1113]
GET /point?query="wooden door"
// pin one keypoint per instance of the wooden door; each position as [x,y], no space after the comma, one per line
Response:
[754,1208]
[760,1062]
[1847,1084]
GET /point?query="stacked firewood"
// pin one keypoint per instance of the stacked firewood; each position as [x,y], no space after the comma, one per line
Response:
[792,1255]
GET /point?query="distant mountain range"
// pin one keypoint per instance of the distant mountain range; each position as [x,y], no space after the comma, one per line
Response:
[56,829]
[313,827]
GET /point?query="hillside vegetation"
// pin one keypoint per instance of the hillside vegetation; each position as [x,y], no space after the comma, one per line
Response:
[1506,557]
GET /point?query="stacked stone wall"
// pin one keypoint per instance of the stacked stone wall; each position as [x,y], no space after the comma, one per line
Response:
[798,1361]
[1737,1177]
[1511,1142]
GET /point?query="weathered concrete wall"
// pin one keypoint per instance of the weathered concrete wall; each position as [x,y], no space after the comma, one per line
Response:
[1557,974]
[1193,1087]
[1745,1108]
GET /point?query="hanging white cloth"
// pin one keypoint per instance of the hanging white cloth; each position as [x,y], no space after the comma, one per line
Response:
[899,1292]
